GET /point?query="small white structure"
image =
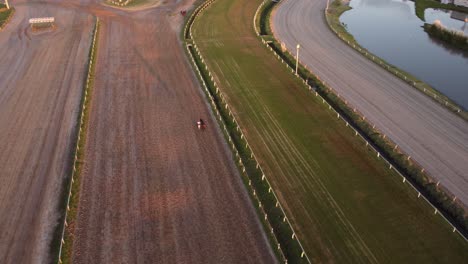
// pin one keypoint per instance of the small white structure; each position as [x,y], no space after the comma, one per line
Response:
[41,20]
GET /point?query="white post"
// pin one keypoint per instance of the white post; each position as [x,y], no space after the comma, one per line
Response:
[7,5]
[326,9]
[297,56]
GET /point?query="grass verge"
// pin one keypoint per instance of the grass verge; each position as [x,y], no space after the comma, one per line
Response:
[344,203]
[63,242]
[333,20]
[279,233]
[424,184]
[5,15]
[264,17]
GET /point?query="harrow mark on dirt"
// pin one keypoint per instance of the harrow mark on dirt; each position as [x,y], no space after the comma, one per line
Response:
[154,186]
[40,89]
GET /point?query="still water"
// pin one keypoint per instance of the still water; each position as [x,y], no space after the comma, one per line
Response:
[391,30]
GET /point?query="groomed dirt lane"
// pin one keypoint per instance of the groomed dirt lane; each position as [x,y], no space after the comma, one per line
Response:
[154,188]
[41,79]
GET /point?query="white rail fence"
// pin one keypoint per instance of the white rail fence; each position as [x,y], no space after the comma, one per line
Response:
[390,165]
[81,127]
[243,138]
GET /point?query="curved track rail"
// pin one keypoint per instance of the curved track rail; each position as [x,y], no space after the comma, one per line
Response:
[433,136]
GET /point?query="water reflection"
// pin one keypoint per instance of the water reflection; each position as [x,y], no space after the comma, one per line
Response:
[450,19]
[401,6]
[449,48]
[391,30]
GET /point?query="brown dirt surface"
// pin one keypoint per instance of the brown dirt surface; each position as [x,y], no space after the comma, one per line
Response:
[41,79]
[154,187]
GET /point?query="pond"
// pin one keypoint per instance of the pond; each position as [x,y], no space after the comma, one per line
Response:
[391,30]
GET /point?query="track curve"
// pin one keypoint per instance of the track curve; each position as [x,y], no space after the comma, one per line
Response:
[433,136]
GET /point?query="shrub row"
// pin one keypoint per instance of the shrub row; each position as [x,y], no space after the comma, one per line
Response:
[265,14]
[453,38]
[445,203]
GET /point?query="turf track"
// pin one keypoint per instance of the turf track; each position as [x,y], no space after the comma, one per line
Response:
[345,205]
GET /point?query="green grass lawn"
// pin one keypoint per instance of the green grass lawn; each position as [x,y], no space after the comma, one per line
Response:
[5,14]
[345,205]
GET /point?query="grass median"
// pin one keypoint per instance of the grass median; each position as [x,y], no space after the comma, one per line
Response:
[5,15]
[65,256]
[343,202]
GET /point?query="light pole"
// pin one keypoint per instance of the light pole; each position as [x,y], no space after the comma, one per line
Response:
[326,9]
[297,56]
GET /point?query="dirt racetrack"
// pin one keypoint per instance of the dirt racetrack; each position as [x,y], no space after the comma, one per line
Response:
[154,188]
[434,137]
[41,79]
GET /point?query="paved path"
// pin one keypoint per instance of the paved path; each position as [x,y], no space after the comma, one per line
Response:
[434,137]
